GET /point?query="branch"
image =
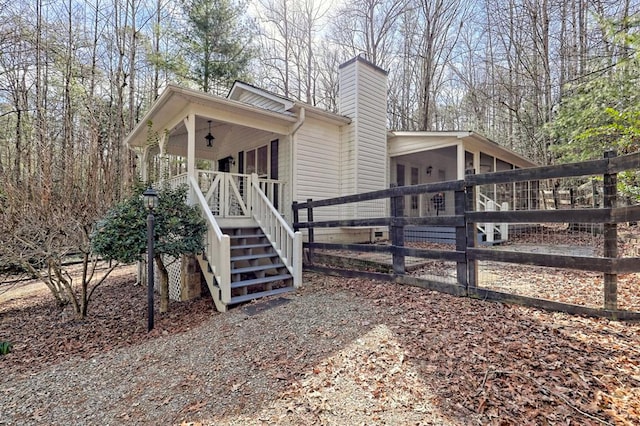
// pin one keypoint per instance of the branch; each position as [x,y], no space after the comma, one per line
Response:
[104,277]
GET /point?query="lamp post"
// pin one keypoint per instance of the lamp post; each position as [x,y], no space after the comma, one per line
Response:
[150,202]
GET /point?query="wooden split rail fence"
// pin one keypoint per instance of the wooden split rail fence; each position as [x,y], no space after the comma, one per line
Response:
[468,251]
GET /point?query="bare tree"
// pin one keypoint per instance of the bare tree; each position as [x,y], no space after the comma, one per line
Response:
[368,27]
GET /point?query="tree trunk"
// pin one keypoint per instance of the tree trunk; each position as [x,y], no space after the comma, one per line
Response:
[164,284]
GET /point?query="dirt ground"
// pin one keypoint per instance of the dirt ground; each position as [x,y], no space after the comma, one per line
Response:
[337,351]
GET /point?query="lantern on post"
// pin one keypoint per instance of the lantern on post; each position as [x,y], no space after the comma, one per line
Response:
[150,197]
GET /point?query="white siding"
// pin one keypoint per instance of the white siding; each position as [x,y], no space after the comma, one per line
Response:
[317,165]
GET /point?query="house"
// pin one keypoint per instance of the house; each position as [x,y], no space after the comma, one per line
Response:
[246,157]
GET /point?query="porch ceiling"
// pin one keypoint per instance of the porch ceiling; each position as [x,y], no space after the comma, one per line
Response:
[167,114]
[226,134]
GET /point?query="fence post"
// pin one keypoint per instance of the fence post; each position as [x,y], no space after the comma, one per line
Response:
[504,227]
[472,234]
[397,233]
[489,227]
[610,231]
[310,229]
[296,216]
[461,236]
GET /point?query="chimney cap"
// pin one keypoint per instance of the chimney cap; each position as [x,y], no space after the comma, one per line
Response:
[360,58]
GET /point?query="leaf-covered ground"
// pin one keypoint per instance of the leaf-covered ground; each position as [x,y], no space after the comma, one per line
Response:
[338,351]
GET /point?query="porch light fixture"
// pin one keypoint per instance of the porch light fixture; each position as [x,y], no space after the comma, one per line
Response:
[209,136]
[150,197]
[429,170]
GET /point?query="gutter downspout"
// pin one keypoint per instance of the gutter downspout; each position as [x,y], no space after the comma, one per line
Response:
[293,152]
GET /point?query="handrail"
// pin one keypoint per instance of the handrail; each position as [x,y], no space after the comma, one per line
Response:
[274,190]
[287,243]
[218,245]
[483,200]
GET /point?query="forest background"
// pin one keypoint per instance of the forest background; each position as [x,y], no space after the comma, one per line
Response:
[555,80]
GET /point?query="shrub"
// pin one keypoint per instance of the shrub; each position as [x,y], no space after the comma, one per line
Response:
[5,348]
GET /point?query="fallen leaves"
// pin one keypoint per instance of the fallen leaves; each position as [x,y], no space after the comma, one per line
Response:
[43,334]
[344,352]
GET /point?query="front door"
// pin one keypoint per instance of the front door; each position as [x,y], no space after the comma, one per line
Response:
[224,164]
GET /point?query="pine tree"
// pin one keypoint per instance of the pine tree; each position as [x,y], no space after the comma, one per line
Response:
[216,43]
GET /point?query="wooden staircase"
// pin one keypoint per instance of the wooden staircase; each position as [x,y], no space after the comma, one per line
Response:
[250,250]
[256,268]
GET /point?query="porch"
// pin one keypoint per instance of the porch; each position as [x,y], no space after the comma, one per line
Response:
[234,159]
[418,158]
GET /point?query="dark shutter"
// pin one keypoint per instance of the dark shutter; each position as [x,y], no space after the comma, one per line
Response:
[241,162]
[274,159]
[274,172]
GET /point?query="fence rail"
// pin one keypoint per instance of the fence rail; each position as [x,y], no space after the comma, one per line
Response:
[468,252]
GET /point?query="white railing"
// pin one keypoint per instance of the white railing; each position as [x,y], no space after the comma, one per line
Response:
[274,190]
[217,246]
[287,243]
[235,195]
[225,193]
[176,181]
[487,204]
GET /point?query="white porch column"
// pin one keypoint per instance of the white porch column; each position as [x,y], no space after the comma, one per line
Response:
[190,125]
[163,163]
[460,163]
[144,164]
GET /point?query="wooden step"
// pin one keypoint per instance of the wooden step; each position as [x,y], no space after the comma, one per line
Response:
[251,296]
[264,280]
[235,237]
[257,268]
[254,256]
[250,246]
[240,231]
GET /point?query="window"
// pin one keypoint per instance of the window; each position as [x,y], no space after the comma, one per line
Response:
[263,161]
[257,161]
[251,162]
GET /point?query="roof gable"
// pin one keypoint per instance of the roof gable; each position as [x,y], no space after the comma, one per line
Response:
[252,95]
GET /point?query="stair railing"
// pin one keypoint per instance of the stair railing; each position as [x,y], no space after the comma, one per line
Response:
[288,244]
[487,204]
[217,246]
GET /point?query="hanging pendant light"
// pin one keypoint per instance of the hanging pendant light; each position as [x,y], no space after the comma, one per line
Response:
[209,136]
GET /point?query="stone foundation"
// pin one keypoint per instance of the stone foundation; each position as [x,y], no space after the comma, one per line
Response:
[190,279]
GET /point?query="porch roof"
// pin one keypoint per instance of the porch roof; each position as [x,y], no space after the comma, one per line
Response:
[175,103]
[409,142]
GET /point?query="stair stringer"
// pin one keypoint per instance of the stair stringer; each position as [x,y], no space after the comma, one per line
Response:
[210,279]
